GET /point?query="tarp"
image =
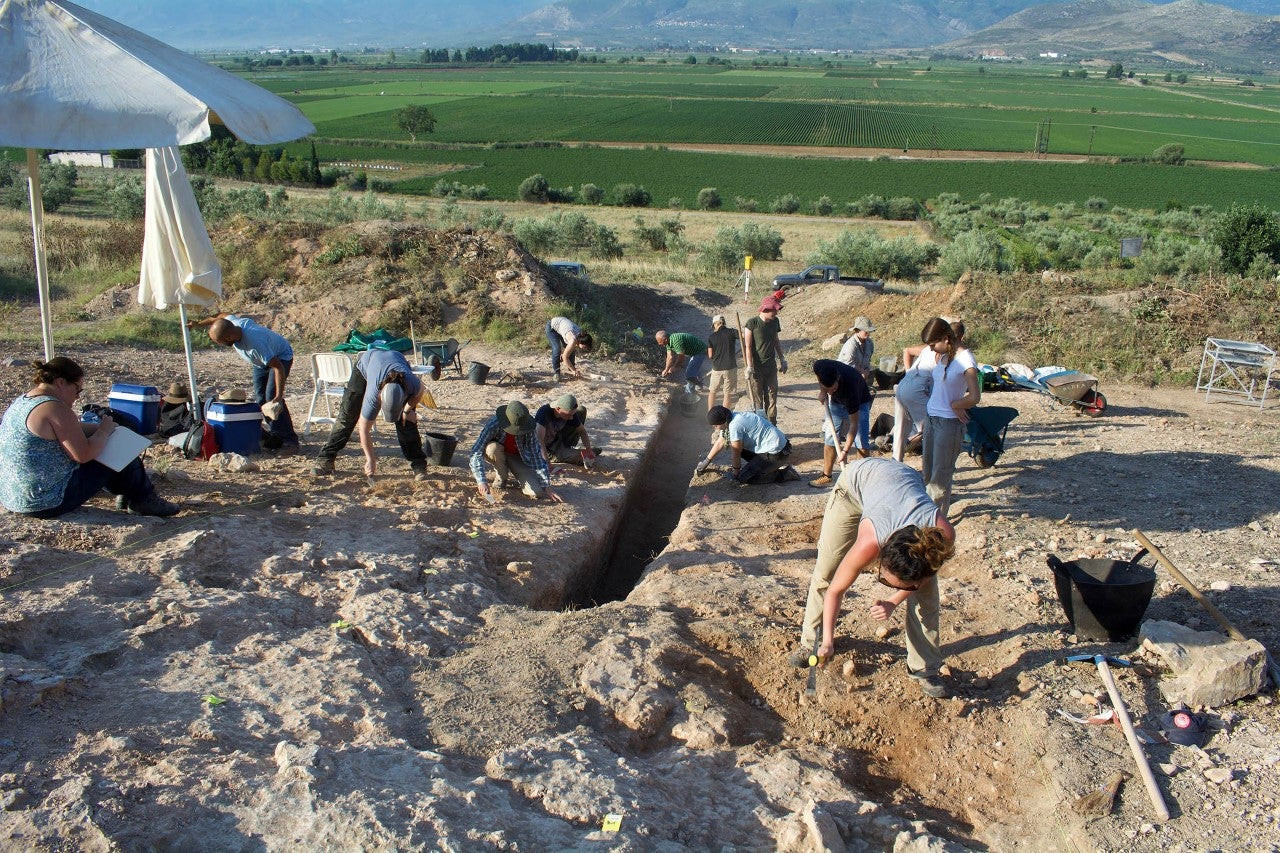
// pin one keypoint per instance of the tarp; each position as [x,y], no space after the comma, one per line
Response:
[178,262]
[73,79]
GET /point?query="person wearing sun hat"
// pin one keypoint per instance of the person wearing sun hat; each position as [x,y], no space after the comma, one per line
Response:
[857,352]
[762,351]
[559,427]
[508,441]
[382,383]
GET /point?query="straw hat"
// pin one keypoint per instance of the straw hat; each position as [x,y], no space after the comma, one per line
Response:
[177,393]
[231,395]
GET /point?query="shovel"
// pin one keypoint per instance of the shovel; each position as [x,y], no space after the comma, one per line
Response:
[1139,757]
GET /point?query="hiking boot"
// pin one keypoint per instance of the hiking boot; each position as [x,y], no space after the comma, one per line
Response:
[324,466]
[555,377]
[930,684]
[799,657]
[822,482]
[153,504]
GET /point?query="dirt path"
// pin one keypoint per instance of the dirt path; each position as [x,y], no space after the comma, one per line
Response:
[295,663]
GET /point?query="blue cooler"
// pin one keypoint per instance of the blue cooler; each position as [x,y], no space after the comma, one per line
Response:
[138,405]
[237,426]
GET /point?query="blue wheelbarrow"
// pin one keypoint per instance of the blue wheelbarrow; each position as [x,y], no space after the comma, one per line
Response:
[984,434]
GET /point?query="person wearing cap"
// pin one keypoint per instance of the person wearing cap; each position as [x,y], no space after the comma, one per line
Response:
[722,349]
[857,352]
[762,351]
[559,427]
[508,441]
[879,514]
[271,358]
[567,340]
[382,383]
[841,391]
[753,438]
[682,346]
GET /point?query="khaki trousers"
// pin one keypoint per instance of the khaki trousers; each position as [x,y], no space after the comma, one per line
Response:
[839,532]
[504,465]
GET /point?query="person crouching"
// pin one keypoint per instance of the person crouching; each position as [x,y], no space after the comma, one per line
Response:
[760,450]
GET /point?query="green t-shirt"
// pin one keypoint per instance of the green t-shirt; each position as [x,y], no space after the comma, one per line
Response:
[764,338]
[686,344]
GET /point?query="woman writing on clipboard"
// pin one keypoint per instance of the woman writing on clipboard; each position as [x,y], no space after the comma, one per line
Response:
[48,458]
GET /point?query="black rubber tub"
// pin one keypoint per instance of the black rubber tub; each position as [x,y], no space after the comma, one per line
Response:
[1103,599]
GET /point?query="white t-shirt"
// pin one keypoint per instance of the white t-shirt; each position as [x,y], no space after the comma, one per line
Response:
[949,383]
[925,360]
[566,329]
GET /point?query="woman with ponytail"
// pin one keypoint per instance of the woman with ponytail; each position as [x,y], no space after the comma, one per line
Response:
[879,510]
[48,457]
[956,389]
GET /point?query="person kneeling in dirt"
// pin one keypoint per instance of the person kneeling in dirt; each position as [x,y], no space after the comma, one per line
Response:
[841,391]
[751,437]
[382,382]
[507,441]
[566,340]
[271,358]
[879,509]
[559,427]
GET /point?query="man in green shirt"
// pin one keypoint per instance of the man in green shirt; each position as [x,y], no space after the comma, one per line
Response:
[681,346]
[762,351]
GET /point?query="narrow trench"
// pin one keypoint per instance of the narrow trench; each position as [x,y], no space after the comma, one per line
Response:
[654,502]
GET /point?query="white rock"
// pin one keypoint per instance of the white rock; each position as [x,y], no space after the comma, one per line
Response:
[1220,586]
[1218,775]
[1209,669]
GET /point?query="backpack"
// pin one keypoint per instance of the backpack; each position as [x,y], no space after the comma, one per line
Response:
[175,418]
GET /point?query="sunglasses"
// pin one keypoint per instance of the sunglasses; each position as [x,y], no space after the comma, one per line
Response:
[904,587]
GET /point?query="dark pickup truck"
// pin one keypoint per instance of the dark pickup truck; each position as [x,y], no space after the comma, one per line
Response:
[821,273]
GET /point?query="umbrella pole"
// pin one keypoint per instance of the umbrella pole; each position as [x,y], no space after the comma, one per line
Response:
[37,239]
[196,411]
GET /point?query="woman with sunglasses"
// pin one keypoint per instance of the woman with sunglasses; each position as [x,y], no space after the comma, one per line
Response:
[48,457]
[879,510]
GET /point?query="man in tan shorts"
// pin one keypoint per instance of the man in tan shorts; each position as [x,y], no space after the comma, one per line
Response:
[722,349]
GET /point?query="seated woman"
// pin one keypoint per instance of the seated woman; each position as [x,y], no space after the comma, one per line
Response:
[879,512]
[47,456]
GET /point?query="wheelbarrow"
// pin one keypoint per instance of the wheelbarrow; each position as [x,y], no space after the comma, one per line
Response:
[984,434]
[449,352]
[1066,388]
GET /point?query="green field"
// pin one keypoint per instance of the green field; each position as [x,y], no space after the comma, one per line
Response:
[919,111]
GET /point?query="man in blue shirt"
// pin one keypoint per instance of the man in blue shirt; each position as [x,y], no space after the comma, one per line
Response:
[382,382]
[841,391]
[271,358]
[752,437]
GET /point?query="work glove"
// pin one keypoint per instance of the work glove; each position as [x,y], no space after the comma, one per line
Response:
[751,373]
[702,467]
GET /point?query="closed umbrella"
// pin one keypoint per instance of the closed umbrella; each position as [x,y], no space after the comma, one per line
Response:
[73,79]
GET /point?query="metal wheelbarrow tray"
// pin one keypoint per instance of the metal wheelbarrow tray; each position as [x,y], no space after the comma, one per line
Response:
[449,352]
[1070,388]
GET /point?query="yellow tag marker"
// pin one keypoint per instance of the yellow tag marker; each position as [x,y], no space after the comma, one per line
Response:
[612,823]
[813,660]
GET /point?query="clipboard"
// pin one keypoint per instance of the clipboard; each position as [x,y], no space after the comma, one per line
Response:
[122,447]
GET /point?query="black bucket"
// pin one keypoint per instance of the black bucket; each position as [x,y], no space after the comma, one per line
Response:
[1103,599]
[441,448]
[477,372]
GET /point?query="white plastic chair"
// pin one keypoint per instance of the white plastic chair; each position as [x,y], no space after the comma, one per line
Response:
[331,372]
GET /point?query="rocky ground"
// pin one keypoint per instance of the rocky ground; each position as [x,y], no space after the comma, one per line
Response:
[294,663]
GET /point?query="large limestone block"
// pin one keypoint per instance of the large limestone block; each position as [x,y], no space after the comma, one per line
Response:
[1209,669]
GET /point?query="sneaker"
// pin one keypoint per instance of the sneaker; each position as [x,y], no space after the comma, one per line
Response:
[323,467]
[153,505]
[930,684]
[555,377]
[822,482]
[528,491]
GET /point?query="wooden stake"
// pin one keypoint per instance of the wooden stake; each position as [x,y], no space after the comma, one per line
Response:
[742,338]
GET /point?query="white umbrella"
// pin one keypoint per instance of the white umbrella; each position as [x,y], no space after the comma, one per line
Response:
[73,79]
[178,262]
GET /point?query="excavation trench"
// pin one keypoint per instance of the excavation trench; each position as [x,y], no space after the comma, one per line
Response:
[653,505]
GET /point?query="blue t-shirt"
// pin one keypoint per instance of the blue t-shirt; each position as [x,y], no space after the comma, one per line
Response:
[258,344]
[756,433]
[375,365]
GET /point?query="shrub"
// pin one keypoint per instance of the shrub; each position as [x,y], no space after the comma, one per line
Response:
[675,203]
[727,248]
[746,205]
[863,253]
[126,199]
[591,194]
[709,199]
[1243,233]
[824,206]
[631,195]
[1172,154]
[1097,204]
[785,204]
[903,208]
[534,188]
[971,250]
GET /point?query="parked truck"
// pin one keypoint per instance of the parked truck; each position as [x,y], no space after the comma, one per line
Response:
[825,272]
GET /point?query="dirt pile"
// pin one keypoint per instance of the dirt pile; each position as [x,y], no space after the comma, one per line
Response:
[295,663]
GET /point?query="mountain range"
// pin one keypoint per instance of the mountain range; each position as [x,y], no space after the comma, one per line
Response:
[1230,31]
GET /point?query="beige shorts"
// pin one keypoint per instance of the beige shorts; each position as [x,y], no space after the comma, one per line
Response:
[724,380]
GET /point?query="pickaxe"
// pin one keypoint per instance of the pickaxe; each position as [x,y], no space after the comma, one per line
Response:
[1139,757]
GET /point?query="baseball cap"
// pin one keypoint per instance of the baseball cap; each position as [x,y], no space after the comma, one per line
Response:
[770,304]
[566,403]
[717,320]
[393,398]
[863,324]
[515,418]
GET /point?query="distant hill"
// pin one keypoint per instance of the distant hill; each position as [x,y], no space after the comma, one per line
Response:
[1225,30]
[1185,31]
